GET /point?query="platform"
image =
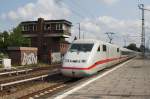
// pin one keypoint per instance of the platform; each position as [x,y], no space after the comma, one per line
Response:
[130,80]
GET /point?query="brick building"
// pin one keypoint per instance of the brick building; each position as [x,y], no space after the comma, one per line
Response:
[48,36]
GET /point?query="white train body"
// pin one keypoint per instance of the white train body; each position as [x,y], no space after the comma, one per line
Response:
[87,57]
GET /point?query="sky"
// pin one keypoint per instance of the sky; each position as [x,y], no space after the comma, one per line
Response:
[96,17]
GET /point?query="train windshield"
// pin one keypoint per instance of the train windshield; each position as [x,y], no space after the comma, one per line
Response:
[81,47]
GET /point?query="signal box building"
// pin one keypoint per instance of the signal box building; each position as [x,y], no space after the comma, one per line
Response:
[49,37]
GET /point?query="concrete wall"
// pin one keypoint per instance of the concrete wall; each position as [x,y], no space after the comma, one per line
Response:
[23,55]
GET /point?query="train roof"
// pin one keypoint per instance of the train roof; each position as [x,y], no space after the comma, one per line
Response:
[93,41]
[101,42]
[85,41]
[125,49]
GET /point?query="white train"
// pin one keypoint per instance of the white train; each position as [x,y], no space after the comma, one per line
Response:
[87,57]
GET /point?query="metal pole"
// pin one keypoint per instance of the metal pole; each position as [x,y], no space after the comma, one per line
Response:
[79,30]
[83,35]
[141,6]
[109,34]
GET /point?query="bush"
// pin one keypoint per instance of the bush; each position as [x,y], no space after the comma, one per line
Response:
[2,55]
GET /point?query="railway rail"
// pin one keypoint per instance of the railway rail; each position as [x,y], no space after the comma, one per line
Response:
[47,92]
[4,75]
[50,85]
[62,83]
[24,78]
[15,72]
[53,79]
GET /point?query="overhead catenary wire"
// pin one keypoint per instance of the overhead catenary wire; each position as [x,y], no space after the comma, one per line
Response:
[77,14]
[83,9]
[74,11]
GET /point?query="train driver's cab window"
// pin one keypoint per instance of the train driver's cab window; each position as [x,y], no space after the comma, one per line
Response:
[104,48]
[98,50]
[117,49]
[81,47]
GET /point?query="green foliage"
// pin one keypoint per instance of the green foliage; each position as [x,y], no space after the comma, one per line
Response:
[3,39]
[13,38]
[133,46]
[0,66]
[2,55]
[16,38]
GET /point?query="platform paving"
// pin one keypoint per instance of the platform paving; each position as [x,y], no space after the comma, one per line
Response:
[131,81]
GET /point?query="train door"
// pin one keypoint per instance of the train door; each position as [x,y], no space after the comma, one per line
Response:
[108,55]
[105,54]
[100,56]
[118,54]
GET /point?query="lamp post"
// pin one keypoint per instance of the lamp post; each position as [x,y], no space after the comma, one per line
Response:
[79,30]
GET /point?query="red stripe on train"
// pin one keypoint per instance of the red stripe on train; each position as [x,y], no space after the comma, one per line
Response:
[94,65]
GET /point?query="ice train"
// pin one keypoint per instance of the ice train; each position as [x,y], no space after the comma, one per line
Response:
[87,57]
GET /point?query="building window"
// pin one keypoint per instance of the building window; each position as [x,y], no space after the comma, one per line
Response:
[117,49]
[47,27]
[104,48]
[34,28]
[53,26]
[25,28]
[59,27]
[22,28]
[30,27]
[64,27]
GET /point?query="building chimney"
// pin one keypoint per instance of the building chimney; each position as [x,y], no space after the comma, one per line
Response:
[40,24]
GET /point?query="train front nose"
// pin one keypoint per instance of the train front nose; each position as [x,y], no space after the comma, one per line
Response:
[73,73]
[74,64]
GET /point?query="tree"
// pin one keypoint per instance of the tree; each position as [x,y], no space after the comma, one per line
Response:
[3,39]
[132,46]
[16,38]
[13,38]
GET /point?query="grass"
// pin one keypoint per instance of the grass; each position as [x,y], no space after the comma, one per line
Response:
[0,66]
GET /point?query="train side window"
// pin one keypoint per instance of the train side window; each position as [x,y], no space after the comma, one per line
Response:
[117,49]
[98,49]
[104,48]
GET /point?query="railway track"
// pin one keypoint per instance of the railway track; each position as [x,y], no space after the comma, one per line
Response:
[49,86]
[23,88]
[51,82]
[60,85]
[15,71]
[15,80]
[5,75]
[24,78]
[43,94]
